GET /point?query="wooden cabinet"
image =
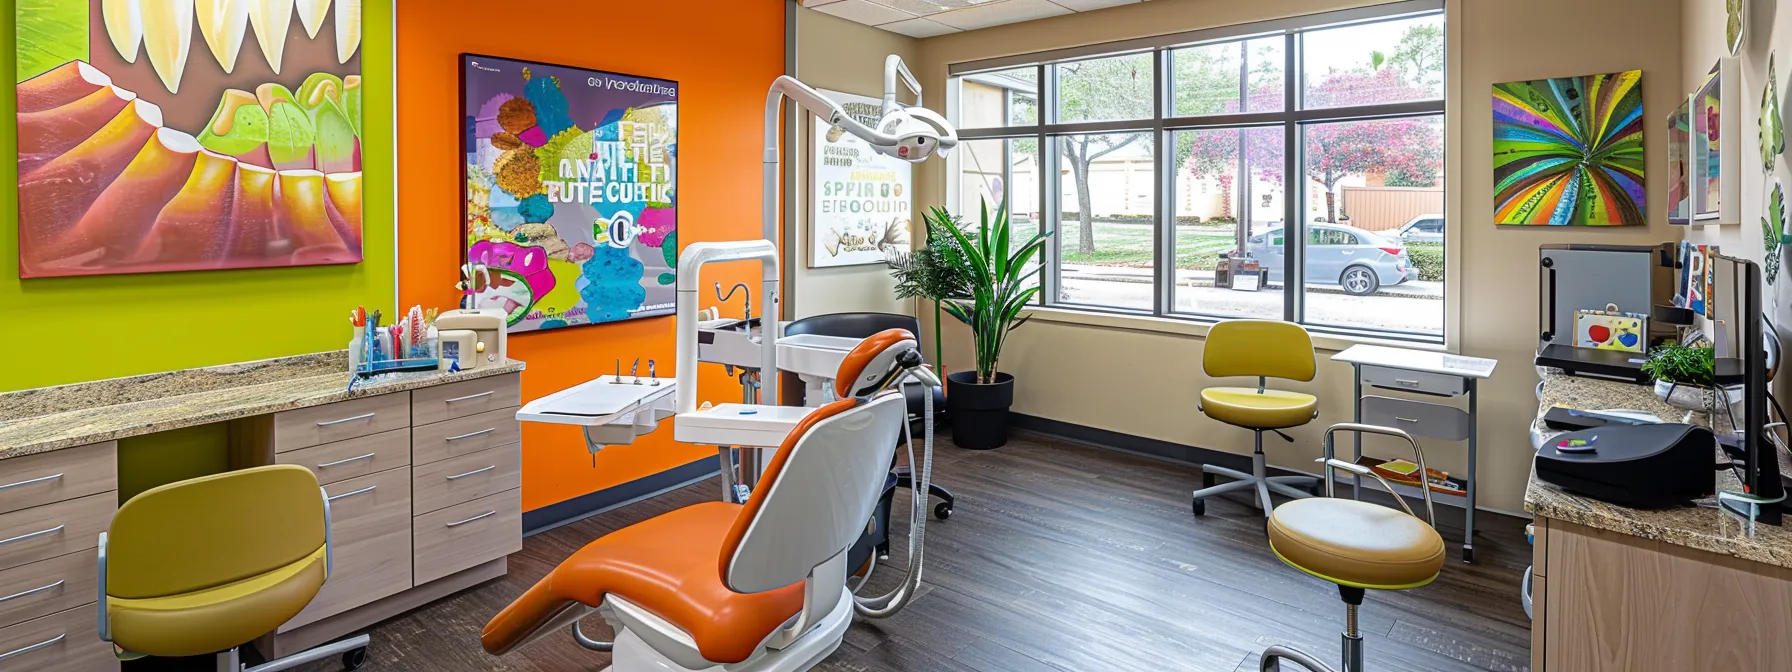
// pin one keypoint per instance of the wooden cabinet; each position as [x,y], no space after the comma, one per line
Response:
[361,456]
[1615,602]
[468,535]
[370,517]
[460,436]
[43,588]
[51,530]
[306,427]
[458,400]
[53,507]
[62,642]
[466,478]
[46,478]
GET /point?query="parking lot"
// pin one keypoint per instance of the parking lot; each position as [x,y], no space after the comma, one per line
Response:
[1411,306]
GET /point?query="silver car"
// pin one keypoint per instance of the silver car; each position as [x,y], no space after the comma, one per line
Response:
[1359,261]
[1422,229]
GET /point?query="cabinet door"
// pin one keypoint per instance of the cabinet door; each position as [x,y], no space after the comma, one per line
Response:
[63,642]
[370,524]
[468,535]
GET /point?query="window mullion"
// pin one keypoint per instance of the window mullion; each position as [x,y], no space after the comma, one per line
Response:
[1049,215]
[1163,236]
[1294,228]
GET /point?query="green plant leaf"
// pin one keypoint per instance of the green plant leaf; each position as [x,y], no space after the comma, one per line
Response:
[1773,133]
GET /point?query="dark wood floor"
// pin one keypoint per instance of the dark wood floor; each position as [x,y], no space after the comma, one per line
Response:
[1062,557]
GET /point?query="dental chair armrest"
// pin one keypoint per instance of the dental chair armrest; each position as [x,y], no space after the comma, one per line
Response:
[1417,453]
[105,625]
[329,548]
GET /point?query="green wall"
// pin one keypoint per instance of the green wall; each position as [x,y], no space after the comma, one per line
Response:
[67,330]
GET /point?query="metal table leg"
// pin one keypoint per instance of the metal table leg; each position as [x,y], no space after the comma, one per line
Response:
[726,454]
[1468,536]
[1356,485]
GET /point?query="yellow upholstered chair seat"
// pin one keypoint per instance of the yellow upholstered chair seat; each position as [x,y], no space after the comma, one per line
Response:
[217,618]
[1269,409]
[1356,544]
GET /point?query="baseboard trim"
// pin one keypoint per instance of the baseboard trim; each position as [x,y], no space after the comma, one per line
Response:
[611,498]
[1177,453]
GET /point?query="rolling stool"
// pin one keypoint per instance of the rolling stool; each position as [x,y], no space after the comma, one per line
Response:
[206,565]
[1356,545]
[1264,349]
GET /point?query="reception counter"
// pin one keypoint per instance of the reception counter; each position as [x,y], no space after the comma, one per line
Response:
[423,471]
[1616,588]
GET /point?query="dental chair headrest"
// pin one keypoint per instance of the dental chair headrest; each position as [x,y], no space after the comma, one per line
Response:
[875,362]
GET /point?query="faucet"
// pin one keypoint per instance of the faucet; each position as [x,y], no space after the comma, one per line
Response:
[738,287]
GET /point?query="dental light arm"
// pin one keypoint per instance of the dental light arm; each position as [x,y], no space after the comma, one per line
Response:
[893,66]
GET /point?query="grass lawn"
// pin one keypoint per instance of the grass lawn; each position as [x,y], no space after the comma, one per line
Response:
[1129,245]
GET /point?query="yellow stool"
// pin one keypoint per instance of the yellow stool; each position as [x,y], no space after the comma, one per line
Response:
[208,564]
[1356,545]
[1264,349]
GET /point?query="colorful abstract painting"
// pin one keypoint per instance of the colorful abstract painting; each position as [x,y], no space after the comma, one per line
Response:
[1569,151]
[570,192]
[180,135]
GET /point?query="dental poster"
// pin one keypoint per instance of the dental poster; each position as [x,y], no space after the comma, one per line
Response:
[571,192]
[861,200]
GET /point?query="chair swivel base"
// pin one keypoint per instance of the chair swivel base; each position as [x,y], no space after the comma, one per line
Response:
[353,650]
[1352,641]
[1258,480]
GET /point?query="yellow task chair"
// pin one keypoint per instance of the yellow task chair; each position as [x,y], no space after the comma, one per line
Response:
[207,565]
[1356,545]
[1264,349]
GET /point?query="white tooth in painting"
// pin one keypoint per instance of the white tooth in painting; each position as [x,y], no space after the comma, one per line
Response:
[312,13]
[348,29]
[222,23]
[167,37]
[124,25]
[271,19]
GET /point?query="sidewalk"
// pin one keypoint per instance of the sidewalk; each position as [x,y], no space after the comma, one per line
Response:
[1419,289]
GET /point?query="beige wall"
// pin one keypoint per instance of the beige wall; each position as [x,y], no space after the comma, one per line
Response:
[1129,376]
[836,54]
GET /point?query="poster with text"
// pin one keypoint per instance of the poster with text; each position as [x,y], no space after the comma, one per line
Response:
[860,200]
[570,198]
[174,135]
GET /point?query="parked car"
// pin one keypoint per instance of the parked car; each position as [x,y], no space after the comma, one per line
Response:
[1422,229]
[1359,261]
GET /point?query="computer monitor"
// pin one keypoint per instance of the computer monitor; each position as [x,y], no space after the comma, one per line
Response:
[1737,329]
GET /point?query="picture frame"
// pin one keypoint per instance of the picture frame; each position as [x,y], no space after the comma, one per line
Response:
[861,202]
[1716,146]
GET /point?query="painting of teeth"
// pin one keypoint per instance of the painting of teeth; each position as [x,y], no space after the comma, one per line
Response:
[188,135]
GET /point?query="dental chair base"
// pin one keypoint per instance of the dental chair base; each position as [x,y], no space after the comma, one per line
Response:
[642,640]
[1259,480]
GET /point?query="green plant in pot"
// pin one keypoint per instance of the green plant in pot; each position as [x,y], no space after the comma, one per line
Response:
[1685,375]
[991,303]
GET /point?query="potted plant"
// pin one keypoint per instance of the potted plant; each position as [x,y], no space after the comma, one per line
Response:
[1686,376]
[934,273]
[992,300]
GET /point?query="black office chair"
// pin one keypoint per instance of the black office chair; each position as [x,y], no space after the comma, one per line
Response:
[863,325]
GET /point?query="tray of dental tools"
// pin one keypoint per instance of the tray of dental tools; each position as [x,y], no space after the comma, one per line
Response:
[608,400]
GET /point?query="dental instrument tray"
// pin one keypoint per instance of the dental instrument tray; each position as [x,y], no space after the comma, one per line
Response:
[612,409]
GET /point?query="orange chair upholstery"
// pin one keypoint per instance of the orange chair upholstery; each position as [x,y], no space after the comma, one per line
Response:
[674,566]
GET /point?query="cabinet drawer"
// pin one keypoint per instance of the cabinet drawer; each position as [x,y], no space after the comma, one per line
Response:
[459,400]
[370,520]
[1416,417]
[1411,381]
[54,530]
[44,588]
[355,457]
[466,478]
[68,641]
[307,427]
[468,535]
[460,436]
[47,478]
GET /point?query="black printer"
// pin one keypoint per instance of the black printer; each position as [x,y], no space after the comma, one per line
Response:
[1640,466]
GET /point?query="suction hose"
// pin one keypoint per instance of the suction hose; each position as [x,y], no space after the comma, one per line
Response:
[885,606]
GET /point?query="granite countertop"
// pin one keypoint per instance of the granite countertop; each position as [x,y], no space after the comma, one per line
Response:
[1702,527]
[53,418]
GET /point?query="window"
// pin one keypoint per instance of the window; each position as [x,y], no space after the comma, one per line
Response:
[1170,167]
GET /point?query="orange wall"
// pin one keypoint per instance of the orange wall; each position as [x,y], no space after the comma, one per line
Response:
[723,54]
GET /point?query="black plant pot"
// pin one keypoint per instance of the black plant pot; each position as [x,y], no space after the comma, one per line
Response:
[979,411]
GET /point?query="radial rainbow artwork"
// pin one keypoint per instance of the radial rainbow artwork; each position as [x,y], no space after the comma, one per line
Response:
[1569,151]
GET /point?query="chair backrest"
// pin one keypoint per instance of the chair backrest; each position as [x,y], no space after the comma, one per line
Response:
[1266,348]
[205,532]
[853,325]
[815,496]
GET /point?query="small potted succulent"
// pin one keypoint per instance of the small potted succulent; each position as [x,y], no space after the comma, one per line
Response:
[1686,376]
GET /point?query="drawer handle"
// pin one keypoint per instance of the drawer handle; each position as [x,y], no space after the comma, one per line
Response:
[40,645]
[470,435]
[487,514]
[33,535]
[332,423]
[474,472]
[32,481]
[1406,383]
[33,591]
[347,495]
[469,397]
[339,463]
[1405,419]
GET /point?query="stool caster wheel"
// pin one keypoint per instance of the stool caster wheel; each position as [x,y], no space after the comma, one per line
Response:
[1468,555]
[1199,507]
[354,659]
[942,510]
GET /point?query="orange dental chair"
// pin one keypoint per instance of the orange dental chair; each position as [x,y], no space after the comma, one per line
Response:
[721,587]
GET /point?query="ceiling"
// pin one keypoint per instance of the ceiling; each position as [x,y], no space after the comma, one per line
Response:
[927,18]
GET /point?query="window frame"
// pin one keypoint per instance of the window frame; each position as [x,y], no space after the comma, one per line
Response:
[1293,118]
